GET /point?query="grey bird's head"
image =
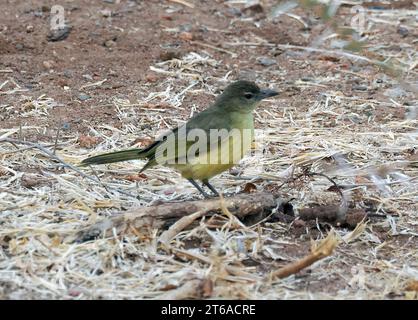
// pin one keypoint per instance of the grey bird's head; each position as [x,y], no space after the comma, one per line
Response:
[243,96]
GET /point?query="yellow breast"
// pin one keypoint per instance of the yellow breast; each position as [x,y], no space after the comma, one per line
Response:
[219,157]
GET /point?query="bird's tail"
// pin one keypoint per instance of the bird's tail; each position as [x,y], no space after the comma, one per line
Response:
[124,155]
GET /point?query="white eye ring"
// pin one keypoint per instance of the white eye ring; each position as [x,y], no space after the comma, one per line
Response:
[248,95]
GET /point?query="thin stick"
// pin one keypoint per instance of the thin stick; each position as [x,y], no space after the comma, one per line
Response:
[56,141]
[65,164]
[309,49]
[324,249]
[179,226]
[185,3]
[233,54]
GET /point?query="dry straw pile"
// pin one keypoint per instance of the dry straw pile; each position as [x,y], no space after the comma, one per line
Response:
[361,142]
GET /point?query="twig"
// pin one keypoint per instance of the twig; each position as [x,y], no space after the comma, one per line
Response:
[228,268]
[233,54]
[56,141]
[351,186]
[324,249]
[309,49]
[98,83]
[65,164]
[183,2]
[191,289]
[179,226]
[240,205]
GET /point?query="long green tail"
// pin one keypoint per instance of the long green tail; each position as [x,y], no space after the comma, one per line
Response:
[124,155]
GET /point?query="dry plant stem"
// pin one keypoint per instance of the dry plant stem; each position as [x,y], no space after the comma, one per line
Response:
[309,49]
[203,44]
[324,249]
[342,211]
[185,3]
[233,221]
[232,270]
[51,155]
[190,289]
[56,141]
[179,226]
[155,216]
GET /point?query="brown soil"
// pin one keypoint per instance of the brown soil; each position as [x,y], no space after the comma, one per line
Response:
[118,41]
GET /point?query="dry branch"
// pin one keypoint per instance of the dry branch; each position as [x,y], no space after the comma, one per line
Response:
[331,213]
[240,205]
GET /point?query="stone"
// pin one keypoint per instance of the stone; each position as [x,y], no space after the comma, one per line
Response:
[83,96]
[265,61]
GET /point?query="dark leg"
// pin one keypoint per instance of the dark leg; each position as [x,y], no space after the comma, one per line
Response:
[207,184]
[194,183]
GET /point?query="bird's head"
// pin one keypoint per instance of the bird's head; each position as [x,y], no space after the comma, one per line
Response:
[243,96]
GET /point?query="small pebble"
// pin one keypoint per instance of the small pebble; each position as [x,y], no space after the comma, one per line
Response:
[360,88]
[169,55]
[109,43]
[403,31]
[29,28]
[83,96]
[87,77]
[68,73]
[151,77]
[48,64]
[59,34]
[186,36]
[265,61]
[187,27]
[106,13]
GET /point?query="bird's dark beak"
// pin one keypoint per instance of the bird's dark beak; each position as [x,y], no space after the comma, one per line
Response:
[267,93]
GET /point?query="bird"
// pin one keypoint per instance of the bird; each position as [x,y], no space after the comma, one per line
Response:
[225,132]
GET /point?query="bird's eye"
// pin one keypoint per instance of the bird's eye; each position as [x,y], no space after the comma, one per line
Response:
[248,95]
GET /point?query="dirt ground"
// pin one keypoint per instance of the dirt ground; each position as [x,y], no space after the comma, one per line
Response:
[129,70]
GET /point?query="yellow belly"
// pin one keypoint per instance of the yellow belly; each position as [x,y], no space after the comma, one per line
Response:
[202,171]
[217,160]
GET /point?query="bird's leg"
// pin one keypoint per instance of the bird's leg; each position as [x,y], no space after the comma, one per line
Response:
[207,184]
[194,183]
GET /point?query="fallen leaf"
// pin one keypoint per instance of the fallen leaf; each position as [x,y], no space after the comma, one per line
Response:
[87,141]
[136,177]
[250,187]
[141,142]
[187,36]
[207,288]
[412,286]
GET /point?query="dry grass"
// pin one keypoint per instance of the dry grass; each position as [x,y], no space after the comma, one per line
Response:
[354,139]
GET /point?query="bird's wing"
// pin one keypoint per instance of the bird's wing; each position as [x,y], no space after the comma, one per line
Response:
[198,127]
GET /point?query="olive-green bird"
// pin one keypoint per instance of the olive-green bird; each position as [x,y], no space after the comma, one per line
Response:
[201,160]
